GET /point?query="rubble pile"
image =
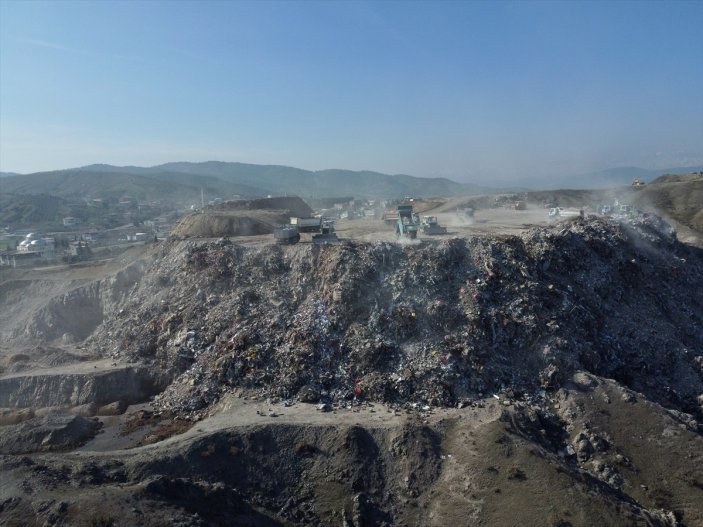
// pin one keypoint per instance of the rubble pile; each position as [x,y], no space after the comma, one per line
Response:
[437,324]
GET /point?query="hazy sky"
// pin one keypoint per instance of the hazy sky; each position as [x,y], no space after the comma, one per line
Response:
[475,91]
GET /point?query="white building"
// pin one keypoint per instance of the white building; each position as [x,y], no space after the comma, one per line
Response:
[33,249]
[33,243]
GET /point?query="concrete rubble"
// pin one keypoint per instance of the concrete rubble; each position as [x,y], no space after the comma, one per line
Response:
[436,325]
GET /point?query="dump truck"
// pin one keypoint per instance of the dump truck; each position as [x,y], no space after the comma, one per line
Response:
[560,212]
[286,235]
[322,231]
[307,224]
[405,226]
[430,225]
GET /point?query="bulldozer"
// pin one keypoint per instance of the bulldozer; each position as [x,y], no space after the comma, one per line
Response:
[430,225]
[326,233]
[406,226]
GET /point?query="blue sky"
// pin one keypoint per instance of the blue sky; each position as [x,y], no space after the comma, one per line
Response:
[475,91]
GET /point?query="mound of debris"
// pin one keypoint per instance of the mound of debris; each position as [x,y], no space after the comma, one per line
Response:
[241,218]
[438,324]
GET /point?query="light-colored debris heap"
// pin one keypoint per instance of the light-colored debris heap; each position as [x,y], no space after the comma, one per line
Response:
[436,324]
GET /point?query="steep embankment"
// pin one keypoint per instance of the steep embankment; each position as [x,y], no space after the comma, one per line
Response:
[433,324]
[43,309]
[677,197]
[44,317]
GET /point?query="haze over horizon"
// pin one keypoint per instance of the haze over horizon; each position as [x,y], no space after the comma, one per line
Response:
[476,92]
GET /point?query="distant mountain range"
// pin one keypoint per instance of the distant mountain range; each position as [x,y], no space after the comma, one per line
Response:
[276,180]
[183,182]
[220,179]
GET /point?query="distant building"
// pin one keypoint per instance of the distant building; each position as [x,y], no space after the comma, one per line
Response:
[70,222]
[33,248]
[79,249]
[34,243]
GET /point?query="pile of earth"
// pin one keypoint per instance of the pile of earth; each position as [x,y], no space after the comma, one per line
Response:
[438,324]
[241,218]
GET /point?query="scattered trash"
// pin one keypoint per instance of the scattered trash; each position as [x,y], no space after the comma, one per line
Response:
[436,325]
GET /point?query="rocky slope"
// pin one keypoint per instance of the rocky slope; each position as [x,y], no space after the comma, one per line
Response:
[591,453]
[678,197]
[53,308]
